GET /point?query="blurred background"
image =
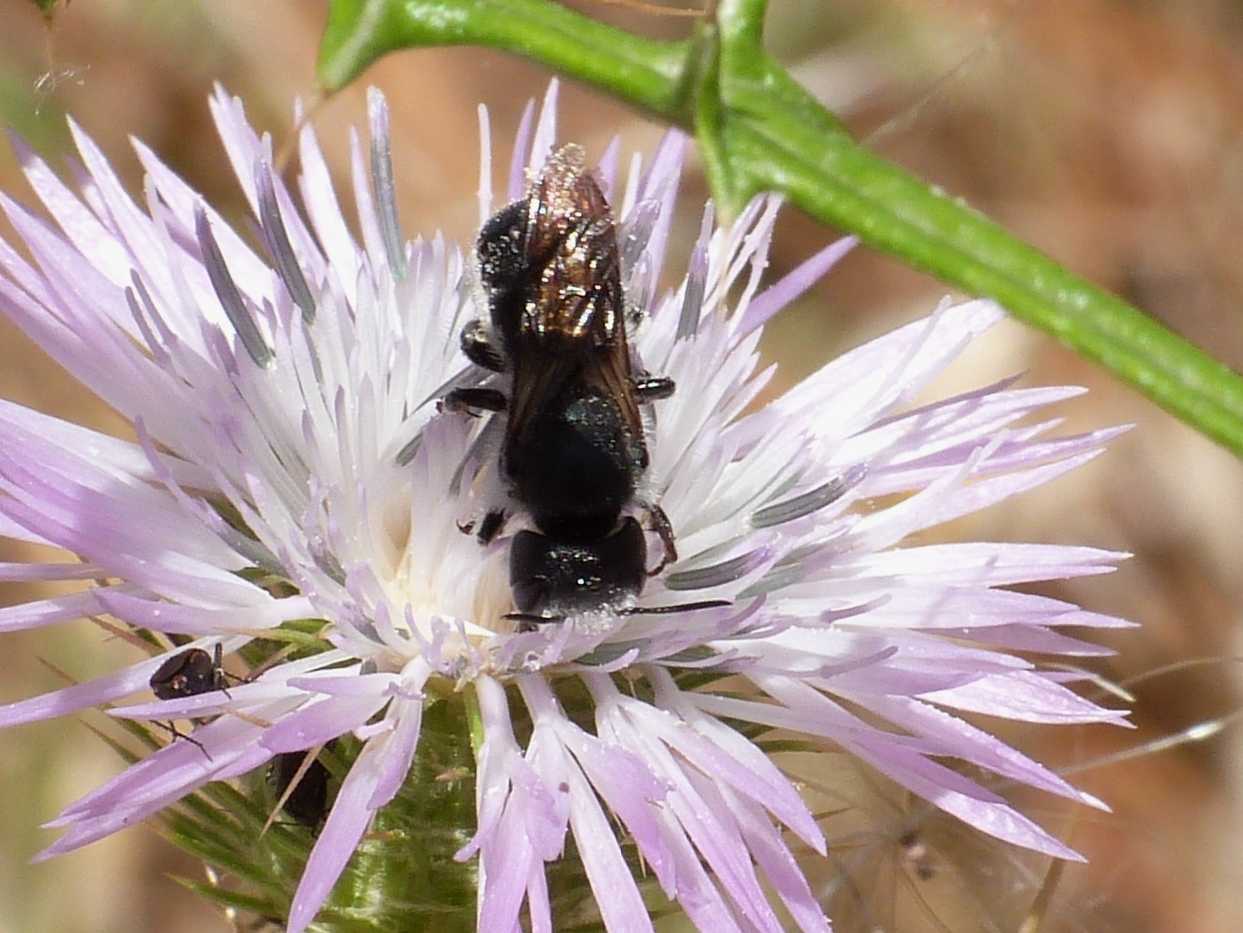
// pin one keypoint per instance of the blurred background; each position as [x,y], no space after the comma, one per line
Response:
[1105,132]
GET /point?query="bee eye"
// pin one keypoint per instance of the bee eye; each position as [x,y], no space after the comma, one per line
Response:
[529,594]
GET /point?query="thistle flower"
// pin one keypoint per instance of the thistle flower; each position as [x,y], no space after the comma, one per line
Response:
[291,464]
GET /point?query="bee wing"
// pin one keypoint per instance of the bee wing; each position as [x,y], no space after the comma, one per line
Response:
[600,309]
[575,299]
[571,319]
[609,370]
[538,377]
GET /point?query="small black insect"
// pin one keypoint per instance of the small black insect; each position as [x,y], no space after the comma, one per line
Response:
[574,447]
[188,674]
[308,801]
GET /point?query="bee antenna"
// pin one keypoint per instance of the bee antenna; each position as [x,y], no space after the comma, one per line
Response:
[532,618]
[680,607]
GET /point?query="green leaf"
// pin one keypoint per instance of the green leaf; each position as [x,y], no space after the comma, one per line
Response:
[226,897]
[194,839]
[759,130]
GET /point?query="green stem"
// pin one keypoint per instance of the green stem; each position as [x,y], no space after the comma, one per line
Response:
[759,130]
[840,183]
[648,74]
[742,22]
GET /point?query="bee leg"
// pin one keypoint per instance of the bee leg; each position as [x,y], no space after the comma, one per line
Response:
[477,399]
[653,388]
[664,530]
[222,677]
[477,344]
[228,677]
[491,526]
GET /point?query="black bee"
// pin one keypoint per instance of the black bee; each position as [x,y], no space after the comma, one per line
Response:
[574,447]
[188,674]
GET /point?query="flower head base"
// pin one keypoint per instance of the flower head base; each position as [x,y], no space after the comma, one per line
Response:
[292,465]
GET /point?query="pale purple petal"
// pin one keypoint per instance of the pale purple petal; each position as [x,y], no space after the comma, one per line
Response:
[10,528]
[1025,696]
[696,892]
[368,219]
[538,906]
[53,609]
[986,564]
[325,212]
[868,382]
[617,895]
[350,816]
[95,692]
[710,830]
[778,864]
[1033,638]
[404,742]
[506,866]
[606,170]
[621,778]
[484,194]
[170,617]
[238,697]
[975,745]
[15,573]
[176,769]
[545,130]
[787,290]
[942,788]
[348,684]
[517,166]
[80,226]
[764,784]
[408,713]
[320,722]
